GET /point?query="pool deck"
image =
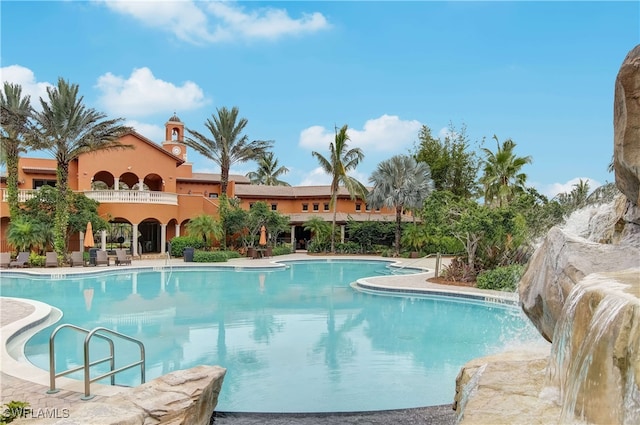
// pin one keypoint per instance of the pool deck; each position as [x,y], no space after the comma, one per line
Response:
[21,381]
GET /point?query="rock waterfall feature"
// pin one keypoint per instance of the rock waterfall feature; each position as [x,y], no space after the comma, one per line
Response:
[581,290]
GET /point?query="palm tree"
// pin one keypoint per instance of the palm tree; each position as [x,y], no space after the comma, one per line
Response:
[14,119]
[400,183]
[502,177]
[340,162]
[228,145]
[206,227]
[67,128]
[268,171]
[25,234]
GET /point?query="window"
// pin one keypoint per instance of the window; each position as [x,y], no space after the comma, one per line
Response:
[213,195]
[39,183]
[251,205]
[326,206]
[305,207]
[316,207]
[366,207]
[274,207]
[358,207]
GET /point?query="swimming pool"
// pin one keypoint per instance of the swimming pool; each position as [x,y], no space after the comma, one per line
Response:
[294,339]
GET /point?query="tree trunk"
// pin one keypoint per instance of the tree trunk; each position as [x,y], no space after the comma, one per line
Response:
[398,223]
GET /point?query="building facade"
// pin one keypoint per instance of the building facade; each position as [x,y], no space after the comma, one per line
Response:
[151,190]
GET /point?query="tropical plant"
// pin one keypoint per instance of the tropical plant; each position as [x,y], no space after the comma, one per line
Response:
[41,208]
[371,234]
[415,237]
[320,229]
[228,145]
[268,172]
[502,178]
[28,235]
[14,119]
[205,227]
[400,183]
[341,161]
[454,167]
[67,128]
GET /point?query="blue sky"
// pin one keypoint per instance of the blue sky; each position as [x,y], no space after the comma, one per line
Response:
[540,73]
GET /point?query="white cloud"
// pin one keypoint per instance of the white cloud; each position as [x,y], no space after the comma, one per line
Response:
[143,94]
[152,132]
[185,19]
[267,23]
[385,134]
[553,189]
[25,77]
[215,21]
[316,177]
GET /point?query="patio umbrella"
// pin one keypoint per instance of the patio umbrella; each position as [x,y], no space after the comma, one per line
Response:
[263,236]
[88,237]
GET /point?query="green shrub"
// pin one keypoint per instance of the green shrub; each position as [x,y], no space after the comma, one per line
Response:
[281,250]
[501,278]
[36,260]
[179,243]
[12,410]
[209,257]
[348,248]
[231,254]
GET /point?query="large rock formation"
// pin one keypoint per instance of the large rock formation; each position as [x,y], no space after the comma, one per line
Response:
[626,121]
[183,397]
[557,265]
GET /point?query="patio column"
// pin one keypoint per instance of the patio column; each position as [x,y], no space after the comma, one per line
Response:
[81,241]
[140,184]
[116,183]
[103,240]
[134,242]
[177,229]
[293,238]
[163,238]
[342,226]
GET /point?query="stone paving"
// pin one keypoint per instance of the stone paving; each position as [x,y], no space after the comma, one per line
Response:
[21,384]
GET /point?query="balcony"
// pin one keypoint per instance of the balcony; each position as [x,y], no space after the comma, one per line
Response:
[113,196]
[132,197]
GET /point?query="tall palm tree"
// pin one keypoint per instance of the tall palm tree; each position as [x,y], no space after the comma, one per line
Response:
[67,128]
[229,145]
[400,183]
[341,160]
[268,171]
[502,177]
[14,119]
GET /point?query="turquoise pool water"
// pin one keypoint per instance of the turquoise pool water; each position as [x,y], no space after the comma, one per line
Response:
[295,339]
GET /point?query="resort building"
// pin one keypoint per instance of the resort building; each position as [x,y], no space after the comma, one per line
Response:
[153,188]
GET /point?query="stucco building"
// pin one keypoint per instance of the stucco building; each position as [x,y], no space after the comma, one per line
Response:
[153,188]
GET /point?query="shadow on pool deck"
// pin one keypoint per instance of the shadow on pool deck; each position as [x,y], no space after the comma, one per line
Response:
[435,415]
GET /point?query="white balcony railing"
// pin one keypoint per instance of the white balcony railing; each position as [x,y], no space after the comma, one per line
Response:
[132,197]
[113,196]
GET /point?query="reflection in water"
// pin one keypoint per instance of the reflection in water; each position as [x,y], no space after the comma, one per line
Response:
[296,339]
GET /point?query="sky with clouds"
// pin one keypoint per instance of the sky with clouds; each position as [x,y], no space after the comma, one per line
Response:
[540,73]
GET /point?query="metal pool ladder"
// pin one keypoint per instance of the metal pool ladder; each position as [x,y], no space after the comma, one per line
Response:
[99,333]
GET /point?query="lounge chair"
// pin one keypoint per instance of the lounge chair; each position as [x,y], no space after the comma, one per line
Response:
[122,258]
[77,259]
[5,259]
[22,260]
[51,259]
[102,258]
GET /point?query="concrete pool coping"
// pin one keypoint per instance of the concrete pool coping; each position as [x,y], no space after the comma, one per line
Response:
[21,318]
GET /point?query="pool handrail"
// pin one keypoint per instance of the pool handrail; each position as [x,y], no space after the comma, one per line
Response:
[87,363]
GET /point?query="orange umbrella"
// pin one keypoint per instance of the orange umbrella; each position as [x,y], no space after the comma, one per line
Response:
[263,236]
[88,237]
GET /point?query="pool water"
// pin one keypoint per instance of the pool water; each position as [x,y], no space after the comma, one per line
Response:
[294,339]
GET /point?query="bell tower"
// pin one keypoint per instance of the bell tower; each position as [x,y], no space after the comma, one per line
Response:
[174,137]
